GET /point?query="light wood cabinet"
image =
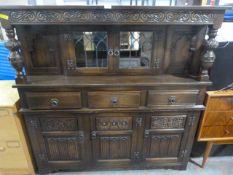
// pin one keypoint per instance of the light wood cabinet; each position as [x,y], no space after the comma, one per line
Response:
[14,153]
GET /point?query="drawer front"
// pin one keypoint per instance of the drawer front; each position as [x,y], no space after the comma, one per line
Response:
[114,99]
[181,97]
[216,118]
[168,122]
[220,104]
[53,100]
[216,132]
[12,155]
[113,123]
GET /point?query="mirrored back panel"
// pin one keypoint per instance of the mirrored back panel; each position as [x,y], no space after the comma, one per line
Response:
[135,49]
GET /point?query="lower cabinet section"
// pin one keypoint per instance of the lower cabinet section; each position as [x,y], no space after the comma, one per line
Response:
[110,140]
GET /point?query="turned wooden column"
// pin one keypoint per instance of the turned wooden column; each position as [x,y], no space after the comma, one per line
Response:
[15,57]
[208,58]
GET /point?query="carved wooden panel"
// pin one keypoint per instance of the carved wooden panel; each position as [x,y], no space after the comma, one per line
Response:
[63,148]
[114,147]
[168,122]
[41,52]
[59,124]
[113,123]
[114,16]
[163,145]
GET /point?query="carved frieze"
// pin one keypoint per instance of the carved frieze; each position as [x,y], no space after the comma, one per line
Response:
[167,122]
[115,16]
[59,124]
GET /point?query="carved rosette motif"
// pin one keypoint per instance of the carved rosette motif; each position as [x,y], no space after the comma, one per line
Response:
[15,56]
[208,58]
[118,16]
[112,124]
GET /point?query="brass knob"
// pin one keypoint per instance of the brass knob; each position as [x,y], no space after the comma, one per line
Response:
[227,132]
[116,52]
[2,148]
[110,52]
[114,100]
[172,100]
[54,102]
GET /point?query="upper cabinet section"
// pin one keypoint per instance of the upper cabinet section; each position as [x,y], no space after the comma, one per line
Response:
[91,40]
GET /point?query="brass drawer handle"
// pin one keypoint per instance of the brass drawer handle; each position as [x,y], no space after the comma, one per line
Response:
[54,102]
[2,149]
[116,52]
[172,100]
[110,52]
[114,100]
[227,132]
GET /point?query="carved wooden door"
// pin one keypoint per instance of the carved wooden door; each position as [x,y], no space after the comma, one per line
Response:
[165,136]
[87,52]
[114,137]
[57,140]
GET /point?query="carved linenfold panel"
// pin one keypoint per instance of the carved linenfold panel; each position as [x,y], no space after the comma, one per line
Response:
[113,123]
[164,146]
[116,16]
[114,147]
[59,124]
[63,148]
[168,122]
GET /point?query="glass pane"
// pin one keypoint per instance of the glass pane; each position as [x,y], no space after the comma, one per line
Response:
[91,49]
[135,49]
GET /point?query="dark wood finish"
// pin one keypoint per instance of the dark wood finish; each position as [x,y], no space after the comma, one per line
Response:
[217,121]
[117,99]
[85,109]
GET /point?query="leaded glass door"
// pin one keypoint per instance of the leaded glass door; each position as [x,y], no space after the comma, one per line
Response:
[87,52]
[139,51]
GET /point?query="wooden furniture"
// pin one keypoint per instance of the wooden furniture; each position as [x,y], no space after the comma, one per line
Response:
[14,153]
[111,88]
[217,122]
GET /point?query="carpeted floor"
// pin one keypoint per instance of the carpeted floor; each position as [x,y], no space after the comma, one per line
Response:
[214,166]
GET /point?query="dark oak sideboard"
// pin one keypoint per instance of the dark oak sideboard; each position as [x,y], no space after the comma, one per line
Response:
[118,88]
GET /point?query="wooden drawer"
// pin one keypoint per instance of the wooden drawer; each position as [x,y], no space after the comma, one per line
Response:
[180,97]
[218,118]
[220,104]
[53,100]
[216,132]
[168,121]
[114,99]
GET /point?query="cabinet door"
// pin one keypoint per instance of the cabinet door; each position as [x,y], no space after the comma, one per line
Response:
[57,141]
[87,52]
[165,137]
[114,138]
[139,51]
[41,53]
